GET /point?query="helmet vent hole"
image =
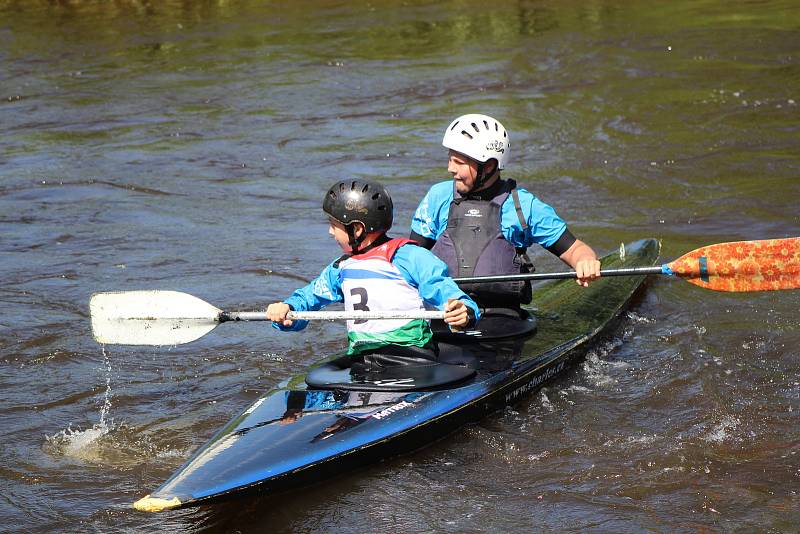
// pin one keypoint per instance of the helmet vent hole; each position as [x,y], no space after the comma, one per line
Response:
[375,196]
[475,127]
[353,186]
[466,134]
[486,125]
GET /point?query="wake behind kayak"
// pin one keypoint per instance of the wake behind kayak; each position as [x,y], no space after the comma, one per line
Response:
[296,435]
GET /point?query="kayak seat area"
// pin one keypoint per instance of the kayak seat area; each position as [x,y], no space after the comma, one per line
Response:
[459,356]
[463,354]
[385,371]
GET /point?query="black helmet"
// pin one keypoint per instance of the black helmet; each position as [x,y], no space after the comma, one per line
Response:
[360,201]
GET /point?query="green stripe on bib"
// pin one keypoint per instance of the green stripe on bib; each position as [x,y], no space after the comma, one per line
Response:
[415,333]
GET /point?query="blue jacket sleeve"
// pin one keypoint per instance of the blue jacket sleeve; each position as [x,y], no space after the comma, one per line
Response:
[429,275]
[430,218]
[544,224]
[320,292]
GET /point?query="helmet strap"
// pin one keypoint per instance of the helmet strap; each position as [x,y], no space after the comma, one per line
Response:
[352,239]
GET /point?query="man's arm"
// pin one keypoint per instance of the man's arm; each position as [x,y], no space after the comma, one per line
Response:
[543,225]
[582,258]
[425,242]
[430,217]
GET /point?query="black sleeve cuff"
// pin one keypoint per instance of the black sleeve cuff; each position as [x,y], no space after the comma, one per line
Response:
[426,242]
[471,318]
[562,244]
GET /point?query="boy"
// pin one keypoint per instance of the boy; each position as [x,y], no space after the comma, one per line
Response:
[378,273]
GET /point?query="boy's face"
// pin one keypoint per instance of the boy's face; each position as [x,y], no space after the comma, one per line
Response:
[339,233]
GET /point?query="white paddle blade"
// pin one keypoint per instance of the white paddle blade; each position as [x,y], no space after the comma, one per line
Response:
[150,317]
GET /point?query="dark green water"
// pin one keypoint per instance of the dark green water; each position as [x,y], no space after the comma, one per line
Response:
[187,145]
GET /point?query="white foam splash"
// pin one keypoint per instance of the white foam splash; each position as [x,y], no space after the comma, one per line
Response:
[700,329]
[575,388]
[75,442]
[643,439]
[597,371]
[636,318]
[544,401]
[721,431]
[536,457]
[104,411]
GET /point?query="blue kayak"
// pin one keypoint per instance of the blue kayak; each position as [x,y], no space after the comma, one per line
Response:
[298,434]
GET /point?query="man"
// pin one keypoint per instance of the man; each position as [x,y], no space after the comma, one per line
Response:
[480,224]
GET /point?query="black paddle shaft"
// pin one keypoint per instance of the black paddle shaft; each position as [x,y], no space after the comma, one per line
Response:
[630,271]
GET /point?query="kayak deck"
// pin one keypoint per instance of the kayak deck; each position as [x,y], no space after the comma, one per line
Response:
[294,436]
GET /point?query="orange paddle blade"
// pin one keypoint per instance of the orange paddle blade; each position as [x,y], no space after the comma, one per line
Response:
[767,265]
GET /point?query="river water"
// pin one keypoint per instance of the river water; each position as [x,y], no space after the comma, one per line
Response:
[186,145]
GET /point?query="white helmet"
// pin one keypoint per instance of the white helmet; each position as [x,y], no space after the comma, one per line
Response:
[480,137]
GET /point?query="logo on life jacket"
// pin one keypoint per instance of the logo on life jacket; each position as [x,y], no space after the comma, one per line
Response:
[497,146]
[473,212]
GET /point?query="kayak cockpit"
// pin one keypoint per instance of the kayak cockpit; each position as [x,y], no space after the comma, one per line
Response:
[340,375]
[460,355]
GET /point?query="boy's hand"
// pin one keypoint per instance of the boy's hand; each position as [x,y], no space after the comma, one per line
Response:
[276,312]
[456,314]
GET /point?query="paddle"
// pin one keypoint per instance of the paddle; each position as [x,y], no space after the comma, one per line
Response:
[173,318]
[766,265]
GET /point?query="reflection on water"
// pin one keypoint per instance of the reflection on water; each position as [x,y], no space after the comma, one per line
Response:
[184,145]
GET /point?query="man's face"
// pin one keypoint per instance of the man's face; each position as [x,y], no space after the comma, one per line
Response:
[464,171]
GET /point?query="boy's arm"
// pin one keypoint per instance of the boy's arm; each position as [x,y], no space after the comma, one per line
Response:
[320,292]
[429,275]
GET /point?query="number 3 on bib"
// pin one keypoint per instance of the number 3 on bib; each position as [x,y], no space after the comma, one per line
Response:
[361,293]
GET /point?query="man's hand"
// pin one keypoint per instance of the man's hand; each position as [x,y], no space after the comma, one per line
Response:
[276,312]
[588,270]
[456,314]
[582,258]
